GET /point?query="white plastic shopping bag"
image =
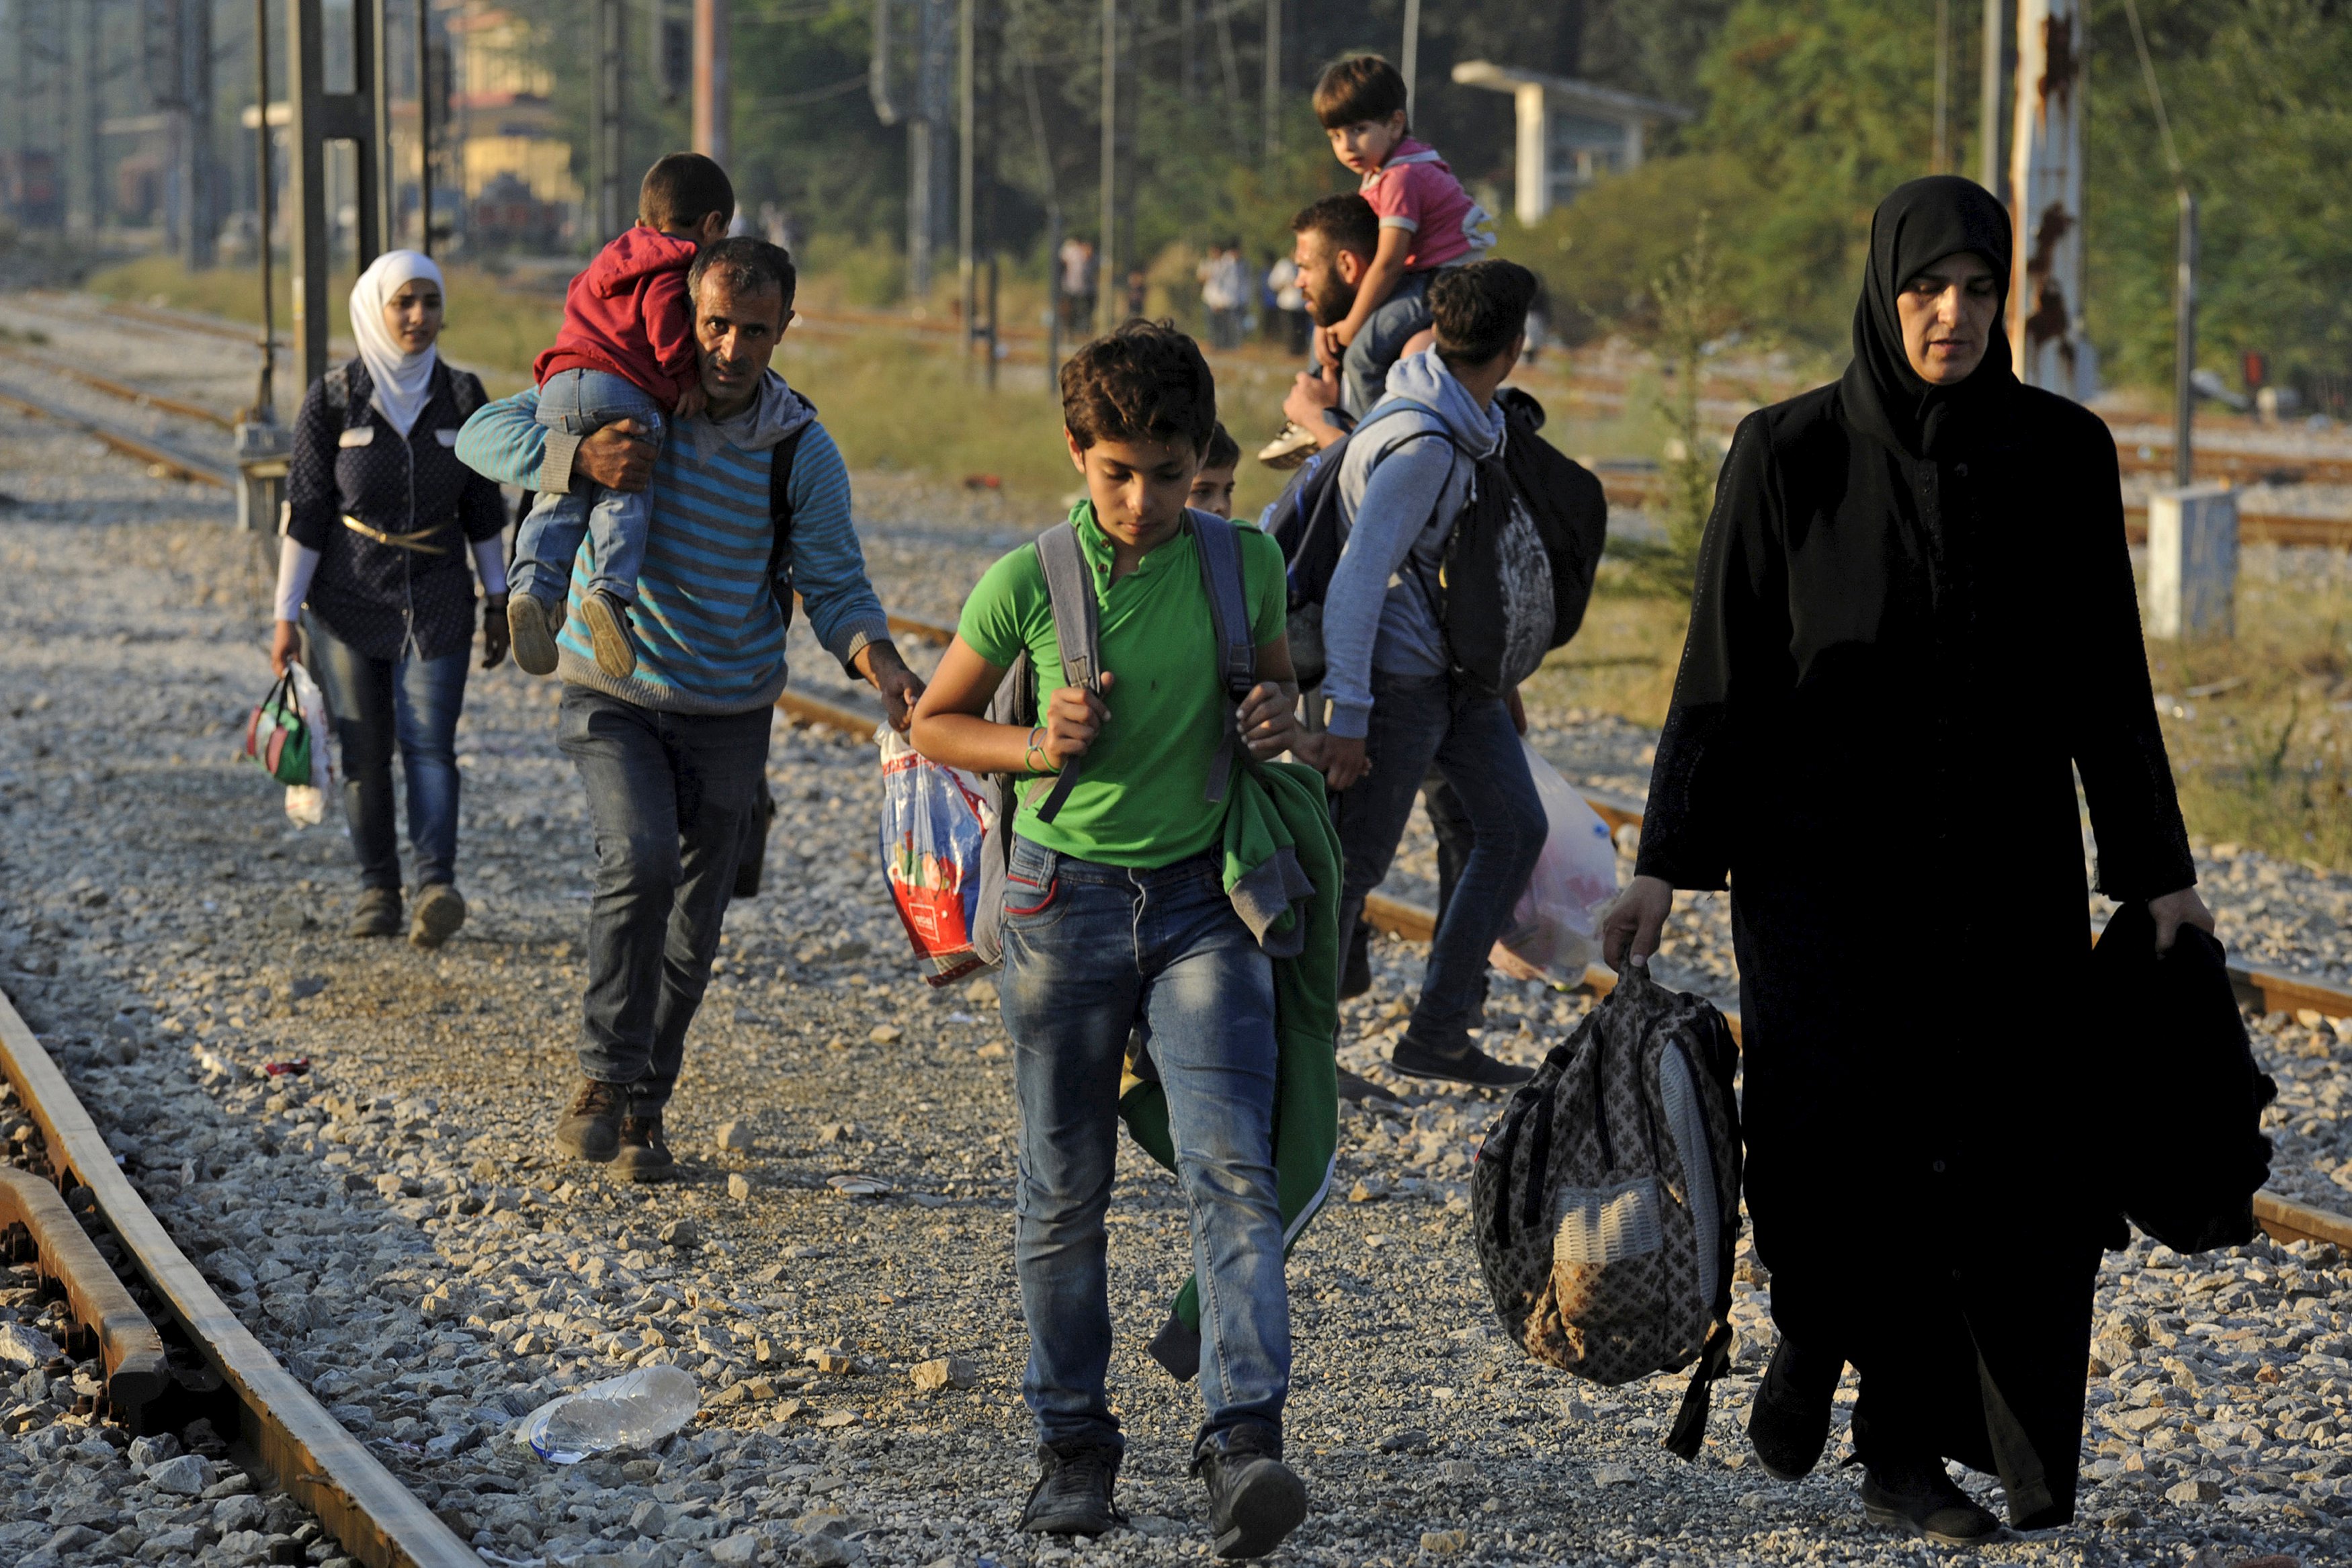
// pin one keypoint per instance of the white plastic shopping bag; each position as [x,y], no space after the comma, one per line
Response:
[1551,935]
[306,804]
[934,820]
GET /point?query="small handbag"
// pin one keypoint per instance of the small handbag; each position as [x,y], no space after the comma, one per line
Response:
[277,736]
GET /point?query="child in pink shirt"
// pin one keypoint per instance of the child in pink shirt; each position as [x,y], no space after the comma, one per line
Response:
[1427,221]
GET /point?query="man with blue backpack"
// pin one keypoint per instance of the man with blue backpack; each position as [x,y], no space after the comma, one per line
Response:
[1421,645]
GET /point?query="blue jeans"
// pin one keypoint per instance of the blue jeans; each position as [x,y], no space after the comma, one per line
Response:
[378,704]
[672,796]
[1381,344]
[1091,951]
[577,402]
[1424,722]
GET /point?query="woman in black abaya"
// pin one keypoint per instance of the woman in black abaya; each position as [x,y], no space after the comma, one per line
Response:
[1913,623]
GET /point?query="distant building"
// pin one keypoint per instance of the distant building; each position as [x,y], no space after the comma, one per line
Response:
[1571,132]
[512,160]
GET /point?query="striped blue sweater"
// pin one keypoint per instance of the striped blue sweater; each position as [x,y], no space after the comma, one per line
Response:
[709,638]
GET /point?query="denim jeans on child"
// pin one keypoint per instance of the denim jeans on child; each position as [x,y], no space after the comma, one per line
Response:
[672,797]
[379,705]
[1091,951]
[1365,365]
[1421,722]
[576,403]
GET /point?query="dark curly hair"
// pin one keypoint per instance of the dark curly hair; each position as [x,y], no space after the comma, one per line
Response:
[748,265]
[1146,382]
[1224,451]
[1480,309]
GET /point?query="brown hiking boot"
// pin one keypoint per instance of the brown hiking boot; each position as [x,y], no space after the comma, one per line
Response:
[377,913]
[645,1155]
[439,912]
[591,1130]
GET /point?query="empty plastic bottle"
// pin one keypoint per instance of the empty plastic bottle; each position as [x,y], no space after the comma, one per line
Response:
[635,1410]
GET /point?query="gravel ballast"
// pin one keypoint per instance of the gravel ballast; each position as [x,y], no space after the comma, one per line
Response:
[394,1224]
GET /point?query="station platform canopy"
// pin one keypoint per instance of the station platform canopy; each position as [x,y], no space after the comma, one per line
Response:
[1571,132]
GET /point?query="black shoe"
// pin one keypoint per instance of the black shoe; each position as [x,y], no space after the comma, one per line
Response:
[1254,1500]
[591,1130]
[1356,1086]
[1919,1496]
[1465,1063]
[644,1155]
[377,913]
[1073,1494]
[1789,1425]
[608,633]
[1355,973]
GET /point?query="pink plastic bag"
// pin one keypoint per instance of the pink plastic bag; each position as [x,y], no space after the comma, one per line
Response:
[933,820]
[1551,933]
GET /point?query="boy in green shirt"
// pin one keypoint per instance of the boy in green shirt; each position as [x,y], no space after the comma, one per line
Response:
[1115,918]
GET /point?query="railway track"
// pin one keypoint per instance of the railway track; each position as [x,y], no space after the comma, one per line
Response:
[284,1433]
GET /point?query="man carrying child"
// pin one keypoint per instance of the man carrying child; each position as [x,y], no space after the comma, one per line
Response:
[626,351]
[674,754]
[1116,916]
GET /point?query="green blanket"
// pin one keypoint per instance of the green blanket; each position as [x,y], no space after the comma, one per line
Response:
[1282,870]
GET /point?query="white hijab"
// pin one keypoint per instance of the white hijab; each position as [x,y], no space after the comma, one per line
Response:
[403,381]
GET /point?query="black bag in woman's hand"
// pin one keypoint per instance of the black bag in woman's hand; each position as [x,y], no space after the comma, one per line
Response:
[2186,1153]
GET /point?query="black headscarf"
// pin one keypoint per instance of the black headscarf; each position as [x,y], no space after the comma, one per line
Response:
[1918,223]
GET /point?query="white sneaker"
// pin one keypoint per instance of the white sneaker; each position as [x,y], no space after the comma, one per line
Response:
[1293,446]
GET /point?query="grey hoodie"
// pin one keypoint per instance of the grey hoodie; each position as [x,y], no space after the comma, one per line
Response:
[1402,484]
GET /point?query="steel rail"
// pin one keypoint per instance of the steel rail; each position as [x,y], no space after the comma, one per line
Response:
[122,389]
[2269,989]
[304,1450]
[177,465]
[128,1345]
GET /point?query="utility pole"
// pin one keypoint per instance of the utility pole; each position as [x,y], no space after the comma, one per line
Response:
[967,119]
[612,118]
[1989,102]
[261,442]
[1409,58]
[199,208]
[2045,317]
[1188,35]
[82,197]
[424,98]
[713,108]
[1106,248]
[2184,345]
[1271,86]
[1943,154]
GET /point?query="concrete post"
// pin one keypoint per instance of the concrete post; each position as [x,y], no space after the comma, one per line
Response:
[1532,162]
[2192,562]
[2045,296]
[84,204]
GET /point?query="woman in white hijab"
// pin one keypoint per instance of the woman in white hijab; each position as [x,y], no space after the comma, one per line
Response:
[386,535]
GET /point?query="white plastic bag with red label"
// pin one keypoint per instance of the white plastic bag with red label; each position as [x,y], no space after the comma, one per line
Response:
[933,821]
[1551,935]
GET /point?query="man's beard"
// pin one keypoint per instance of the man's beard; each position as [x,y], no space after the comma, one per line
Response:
[1330,306]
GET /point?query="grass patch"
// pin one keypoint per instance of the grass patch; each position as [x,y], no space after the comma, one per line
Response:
[2259,727]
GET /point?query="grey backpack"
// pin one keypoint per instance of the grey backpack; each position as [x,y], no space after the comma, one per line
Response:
[1070,588]
[1605,1200]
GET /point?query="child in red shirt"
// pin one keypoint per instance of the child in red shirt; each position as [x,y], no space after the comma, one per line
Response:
[627,350]
[1427,221]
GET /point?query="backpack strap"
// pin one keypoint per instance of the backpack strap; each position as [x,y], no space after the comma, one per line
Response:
[337,384]
[1218,547]
[465,391]
[1070,590]
[780,458]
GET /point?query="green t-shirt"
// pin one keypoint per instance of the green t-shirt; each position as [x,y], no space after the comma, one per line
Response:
[1140,797]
